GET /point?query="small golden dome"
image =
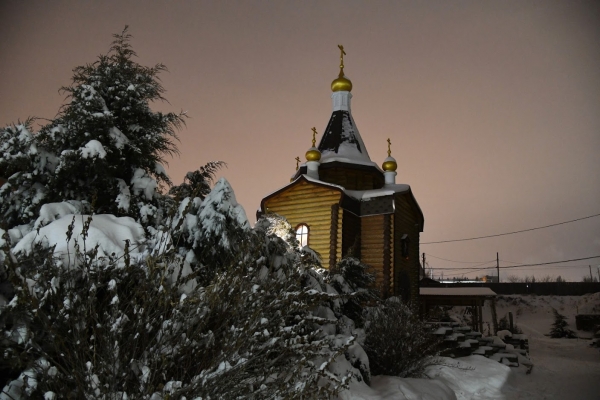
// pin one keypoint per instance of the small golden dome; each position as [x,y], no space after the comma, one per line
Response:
[341,84]
[313,154]
[389,165]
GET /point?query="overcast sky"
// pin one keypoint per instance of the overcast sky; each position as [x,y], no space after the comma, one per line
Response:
[493,108]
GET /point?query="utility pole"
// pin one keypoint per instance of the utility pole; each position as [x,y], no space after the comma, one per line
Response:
[498,266]
[424,270]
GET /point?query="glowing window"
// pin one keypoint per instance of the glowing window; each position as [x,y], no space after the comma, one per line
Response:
[302,234]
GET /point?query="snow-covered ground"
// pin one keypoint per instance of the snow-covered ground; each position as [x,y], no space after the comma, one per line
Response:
[563,368]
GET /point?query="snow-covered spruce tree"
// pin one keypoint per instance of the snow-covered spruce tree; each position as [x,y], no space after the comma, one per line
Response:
[398,343]
[107,142]
[209,232]
[197,183]
[559,327]
[114,327]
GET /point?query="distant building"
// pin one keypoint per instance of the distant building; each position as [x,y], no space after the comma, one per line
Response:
[490,279]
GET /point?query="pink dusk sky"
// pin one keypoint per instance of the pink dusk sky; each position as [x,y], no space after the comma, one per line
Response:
[493,107]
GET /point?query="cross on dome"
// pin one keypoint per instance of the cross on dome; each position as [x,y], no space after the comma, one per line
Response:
[341,83]
[342,54]
[389,164]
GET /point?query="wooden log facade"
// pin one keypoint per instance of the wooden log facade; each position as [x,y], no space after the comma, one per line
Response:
[310,204]
[371,246]
[387,241]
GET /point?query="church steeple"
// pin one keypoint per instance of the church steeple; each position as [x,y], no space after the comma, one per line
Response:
[341,140]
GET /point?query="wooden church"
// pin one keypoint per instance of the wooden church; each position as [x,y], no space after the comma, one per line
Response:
[340,202]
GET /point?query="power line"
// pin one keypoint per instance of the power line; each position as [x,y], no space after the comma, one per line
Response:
[493,267]
[511,262]
[511,233]
[548,263]
[469,268]
[559,266]
[462,262]
[532,265]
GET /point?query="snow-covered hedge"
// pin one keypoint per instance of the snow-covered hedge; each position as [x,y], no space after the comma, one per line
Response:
[99,325]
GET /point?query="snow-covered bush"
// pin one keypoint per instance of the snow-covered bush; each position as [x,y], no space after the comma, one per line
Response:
[398,342]
[559,327]
[108,328]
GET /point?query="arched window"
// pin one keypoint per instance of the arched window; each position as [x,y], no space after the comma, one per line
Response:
[302,234]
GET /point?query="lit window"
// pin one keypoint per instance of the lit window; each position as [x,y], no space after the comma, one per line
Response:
[302,234]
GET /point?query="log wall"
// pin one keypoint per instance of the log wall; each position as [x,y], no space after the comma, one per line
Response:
[350,234]
[310,204]
[371,246]
[406,269]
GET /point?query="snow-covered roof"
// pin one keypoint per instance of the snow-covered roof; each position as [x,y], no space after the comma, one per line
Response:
[456,291]
[342,141]
[332,157]
[387,190]
[314,180]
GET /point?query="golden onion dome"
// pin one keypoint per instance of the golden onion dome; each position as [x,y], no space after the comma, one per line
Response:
[389,164]
[313,154]
[341,84]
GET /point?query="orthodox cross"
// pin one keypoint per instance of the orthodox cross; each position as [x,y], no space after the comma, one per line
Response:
[389,147]
[314,130]
[342,54]
[297,162]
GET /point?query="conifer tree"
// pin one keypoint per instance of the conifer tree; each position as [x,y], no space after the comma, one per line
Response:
[559,327]
[197,183]
[106,145]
